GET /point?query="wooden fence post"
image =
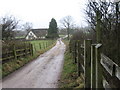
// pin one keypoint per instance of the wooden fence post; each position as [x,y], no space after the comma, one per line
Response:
[70,47]
[31,49]
[40,45]
[75,53]
[98,26]
[14,52]
[93,66]
[46,44]
[34,47]
[25,49]
[73,50]
[99,80]
[87,63]
[78,58]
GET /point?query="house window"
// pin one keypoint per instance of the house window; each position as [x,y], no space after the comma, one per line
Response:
[30,33]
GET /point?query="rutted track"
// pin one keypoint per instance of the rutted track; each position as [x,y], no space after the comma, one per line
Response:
[44,72]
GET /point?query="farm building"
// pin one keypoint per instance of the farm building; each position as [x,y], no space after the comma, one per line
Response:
[36,34]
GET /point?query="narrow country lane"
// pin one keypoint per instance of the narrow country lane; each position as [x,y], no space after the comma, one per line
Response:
[44,72]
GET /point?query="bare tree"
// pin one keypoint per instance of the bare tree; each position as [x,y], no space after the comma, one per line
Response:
[68,23]
[105,17]
[9,23]
[27,26]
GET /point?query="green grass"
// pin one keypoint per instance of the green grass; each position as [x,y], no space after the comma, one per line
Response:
[14,65]
[20,37]
[69,78]
[62,36]
[41,44]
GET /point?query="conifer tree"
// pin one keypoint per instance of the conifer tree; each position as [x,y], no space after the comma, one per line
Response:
[53,30]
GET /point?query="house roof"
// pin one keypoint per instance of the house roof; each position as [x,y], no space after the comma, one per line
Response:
[41,29]
[39,32]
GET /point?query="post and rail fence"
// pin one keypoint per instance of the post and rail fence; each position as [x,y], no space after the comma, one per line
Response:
[42,45]
[15,52]
[99,71]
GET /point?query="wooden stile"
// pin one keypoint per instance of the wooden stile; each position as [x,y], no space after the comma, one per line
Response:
[100,72]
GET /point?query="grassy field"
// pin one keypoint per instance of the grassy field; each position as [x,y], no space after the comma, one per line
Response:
[69,78]
[62,36]
[19,37]
[13,65]
[39,45]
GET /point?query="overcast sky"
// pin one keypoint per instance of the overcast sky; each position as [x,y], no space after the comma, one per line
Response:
[40,12]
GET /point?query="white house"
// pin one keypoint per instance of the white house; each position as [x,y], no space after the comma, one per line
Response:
[36,34]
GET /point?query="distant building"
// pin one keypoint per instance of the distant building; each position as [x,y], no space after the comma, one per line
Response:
[36,34]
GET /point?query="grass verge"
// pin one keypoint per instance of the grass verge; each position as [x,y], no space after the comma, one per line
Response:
[69,78]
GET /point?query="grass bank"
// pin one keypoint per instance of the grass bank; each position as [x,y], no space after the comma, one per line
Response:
[14,65]
[69,78]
